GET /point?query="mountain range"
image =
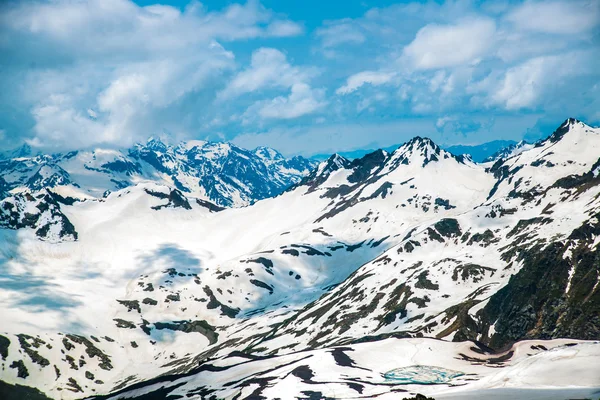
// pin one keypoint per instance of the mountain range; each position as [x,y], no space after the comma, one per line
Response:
[206,271]
[220,172]
[483,152]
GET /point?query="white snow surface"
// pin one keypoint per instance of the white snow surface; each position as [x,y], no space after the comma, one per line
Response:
[157,287]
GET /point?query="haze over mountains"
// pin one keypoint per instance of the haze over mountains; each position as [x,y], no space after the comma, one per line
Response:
[207,271]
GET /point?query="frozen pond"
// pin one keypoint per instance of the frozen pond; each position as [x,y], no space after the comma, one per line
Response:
[421,374]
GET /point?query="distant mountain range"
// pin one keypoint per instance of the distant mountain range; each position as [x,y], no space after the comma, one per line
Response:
[220,172]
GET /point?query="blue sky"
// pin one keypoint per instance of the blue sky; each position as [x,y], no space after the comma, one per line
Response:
[305,77]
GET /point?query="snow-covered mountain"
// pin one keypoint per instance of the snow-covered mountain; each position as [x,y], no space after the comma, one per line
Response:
[219,172]
[509,151]
[333,288]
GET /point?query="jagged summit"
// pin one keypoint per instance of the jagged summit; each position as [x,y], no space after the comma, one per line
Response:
[333,163]
[217,171]
[267,153]
[563,129]
[509,151]
[422,151]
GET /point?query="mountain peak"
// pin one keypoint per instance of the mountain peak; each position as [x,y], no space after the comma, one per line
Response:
[509,151]
[562,130]
[334,163]
[155,143]
[320,174]
[419,150]
[267,153]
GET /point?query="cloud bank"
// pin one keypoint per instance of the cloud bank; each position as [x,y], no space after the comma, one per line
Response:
[111,72]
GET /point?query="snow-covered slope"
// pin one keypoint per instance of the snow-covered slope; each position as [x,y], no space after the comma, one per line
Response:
[509,151]
[220,172]
[412,243]
[393,369]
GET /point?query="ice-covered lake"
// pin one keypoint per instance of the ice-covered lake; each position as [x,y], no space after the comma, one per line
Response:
[421,375]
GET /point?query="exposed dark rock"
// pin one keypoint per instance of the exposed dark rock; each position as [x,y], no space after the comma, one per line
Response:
[19,365]
[173,297]
[28,343]
[92,351]
[175,199]
[471,271]
[202,327]
[4,345]
[268,264]
[535,304]
[121,323]
[73,386]
[485,238]
[443,203]
[448,227]
[149,301]
[131,305]
[149,288]
[214,303]
[210,206]
[424,283]
[263,285]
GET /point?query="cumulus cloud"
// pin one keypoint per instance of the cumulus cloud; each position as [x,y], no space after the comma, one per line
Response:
[440,46]
[469,58]
[133,66]
[557,17]
[302,100]
[524,85]
[268,68]
[357,80]
[82,73]
[283,28]
[340,32]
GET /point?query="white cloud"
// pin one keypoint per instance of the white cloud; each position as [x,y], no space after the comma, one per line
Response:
[442,121]
[302,100]
[340,32]
[131,66]
[356,81]
[558,17]
[126,108]
[440,46]
[283,28]
[524,85]
[268,68]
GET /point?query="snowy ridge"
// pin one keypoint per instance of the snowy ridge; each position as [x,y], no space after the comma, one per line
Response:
[374,254]
[219,172]
[509,151]
[360,370]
